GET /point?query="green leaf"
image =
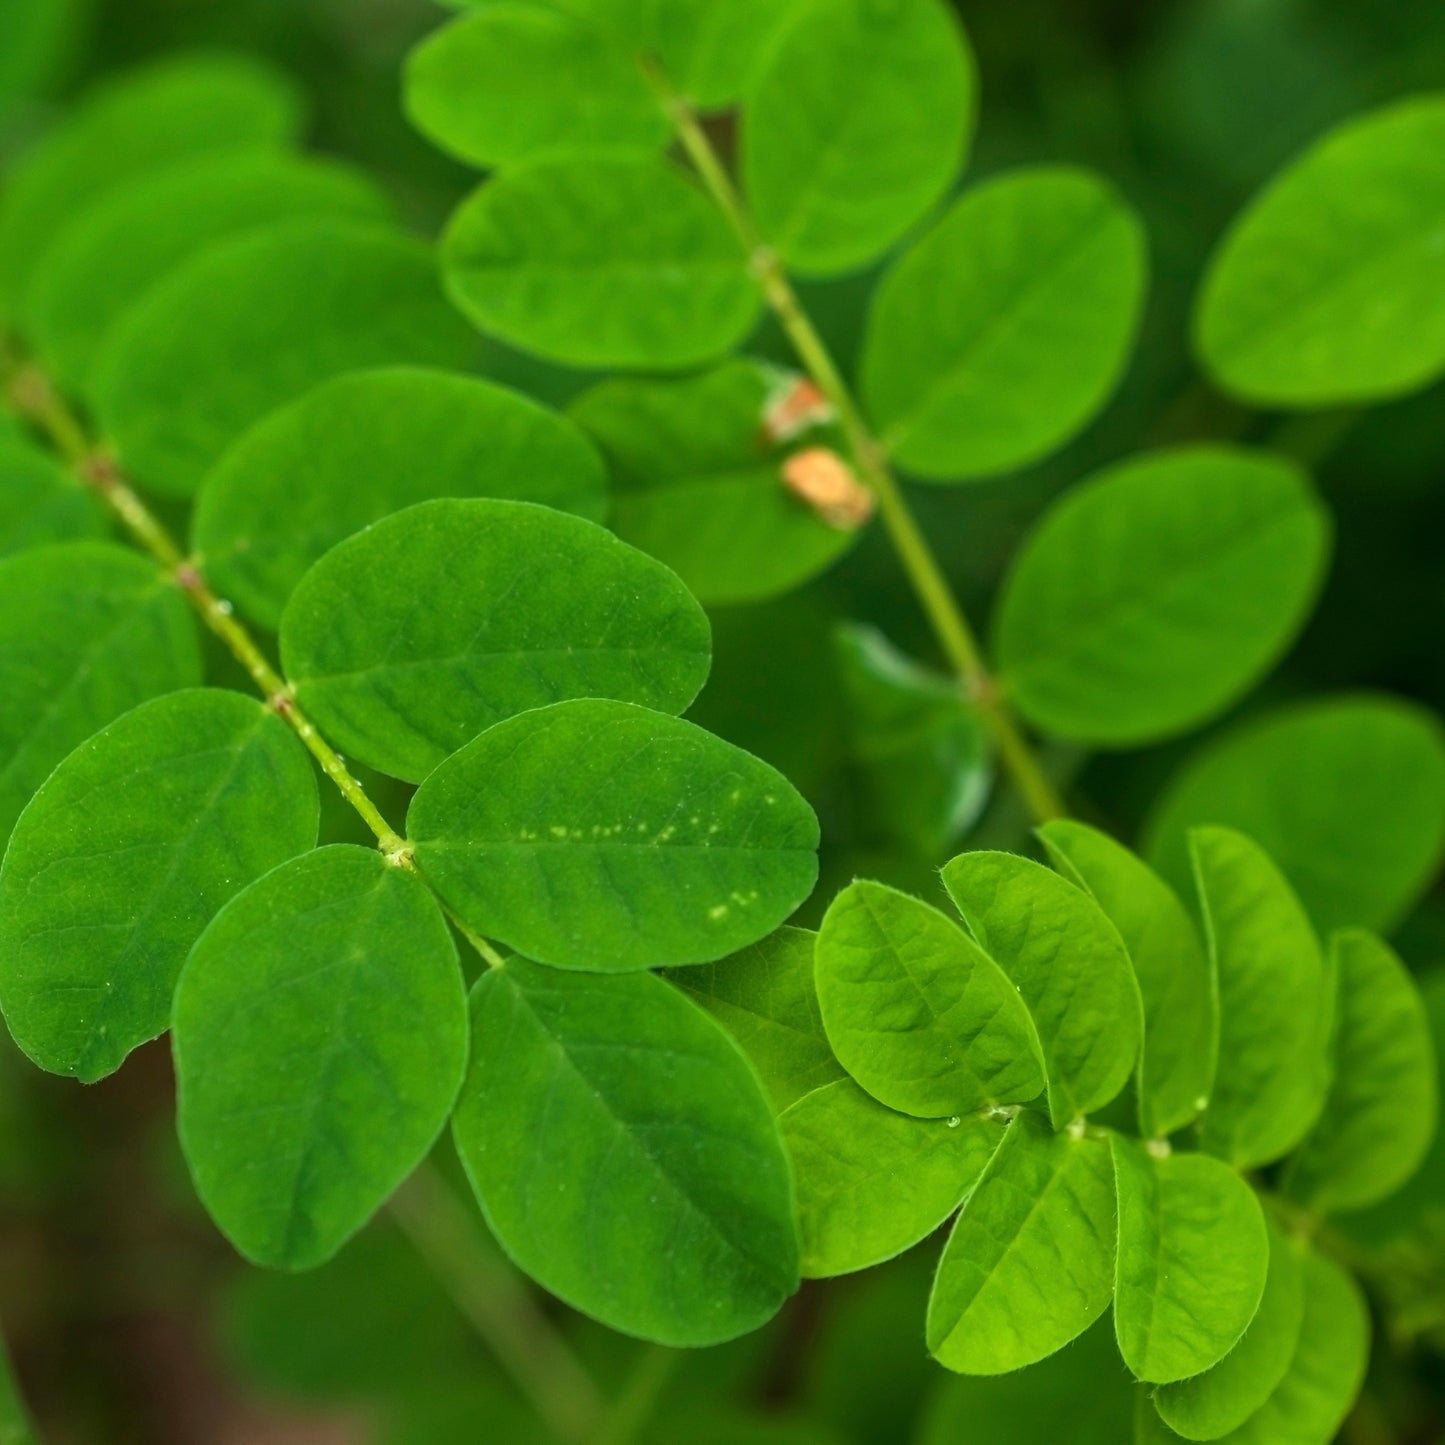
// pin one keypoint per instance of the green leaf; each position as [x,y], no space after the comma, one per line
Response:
[1328,289]
[1176,977]
[137,233]
[87,631]
[1156,593]
[503,85]
[1275,1003]
[917,1012]
[1030,1262]
[855,128]
[409,639]
[606,262]
[184,105]
[320,1041]
[38,39]
[1007,326]
[764,997]
[625,1155]
[1222,1398]
[698,485]
[1380,1117]
[599,835]
[252,323]
[367,444]
[122,858]
[1346,794]
[41,502]
[871,1182]
[1067,960]
[920,748]
[1193,1254]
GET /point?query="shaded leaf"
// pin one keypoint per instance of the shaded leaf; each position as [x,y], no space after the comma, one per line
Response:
[41,502]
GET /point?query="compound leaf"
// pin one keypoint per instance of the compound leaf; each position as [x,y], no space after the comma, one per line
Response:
[122,858]
[599,835]
[1068,962]
[252,323]
[1007,326]
[364,445]
[765,998]
[1176,978]
[1221,1399]
[1193,1254]
[41,502]
[871,1182]
[1154,594]
[697,484]
[1030,1262]
[410,638]
[917,1012]
[87,631]
[1380,1116]
[625,1155]
[1275,1003]
[856,127]
[1346,794]
[320,1041]
[607,262]
[1327,290]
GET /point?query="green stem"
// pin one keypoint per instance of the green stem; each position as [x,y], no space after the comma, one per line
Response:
[501,1308]
[16,1426]
[955,635]
[645,1385]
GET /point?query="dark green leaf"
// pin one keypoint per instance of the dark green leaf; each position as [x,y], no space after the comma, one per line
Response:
[41,502]
[872,1182]
[855,128]
[367,444]
[600,835]
[252,323]
[1067,960]
[320,1041]
[1156,593]
[409,639]
[625,1155]
[603,262]
[1007,326]
[124,856]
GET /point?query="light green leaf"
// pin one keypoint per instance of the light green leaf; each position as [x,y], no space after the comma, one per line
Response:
[184,105]
[855,128]
[1067,960]
[124,856]
[519,81]
[625,1155]
[253,322]
[699,487]
[87,631]
[407,640]
[917,1012]
[320,1041]
[605,262]
[764,997]
[600,835]
[871,1182]
[1346,794]
[367,444]
[1193,1254]
[1157,592]
[1176,977]
[1223,1398]
[920,748]
[1382,1109]
[41,502]
[1328,289]
[1275,1003]
[1006,327]
[1030,1262]
[136,234]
